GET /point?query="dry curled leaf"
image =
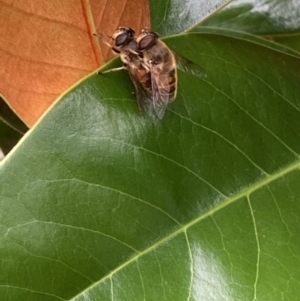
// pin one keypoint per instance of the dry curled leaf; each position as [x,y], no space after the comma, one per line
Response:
[46,46]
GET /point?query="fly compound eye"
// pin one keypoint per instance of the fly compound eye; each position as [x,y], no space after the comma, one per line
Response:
[123,38]
[146,42]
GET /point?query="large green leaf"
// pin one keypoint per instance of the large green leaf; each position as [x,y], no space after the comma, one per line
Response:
[174,16]
[292,42]
[266,17]
[100,202]
[276,20]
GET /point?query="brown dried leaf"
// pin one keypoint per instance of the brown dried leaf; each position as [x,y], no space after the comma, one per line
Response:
[46,46]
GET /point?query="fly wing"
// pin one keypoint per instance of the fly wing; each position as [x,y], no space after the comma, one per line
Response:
[160,96]
[140,78]
[162,85]
[189,67]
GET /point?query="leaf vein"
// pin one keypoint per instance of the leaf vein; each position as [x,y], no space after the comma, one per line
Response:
[222,137]
[254,119]
[258,249]
[168,159]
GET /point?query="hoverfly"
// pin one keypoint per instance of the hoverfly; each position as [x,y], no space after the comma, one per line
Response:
[152,68]
[126,46]
[162,64]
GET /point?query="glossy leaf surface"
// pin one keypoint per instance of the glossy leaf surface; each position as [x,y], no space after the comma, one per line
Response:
[204,205]
[262,17]
[175,16]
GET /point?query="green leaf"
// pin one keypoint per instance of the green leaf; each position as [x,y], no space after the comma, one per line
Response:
[292,41]
[174,16]
[100,202]
[262,17]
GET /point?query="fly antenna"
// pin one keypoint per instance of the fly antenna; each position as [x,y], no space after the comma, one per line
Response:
[102,39]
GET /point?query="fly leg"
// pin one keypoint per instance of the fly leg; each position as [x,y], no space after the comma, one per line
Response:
[106,43]
[112,70]
[114,49]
